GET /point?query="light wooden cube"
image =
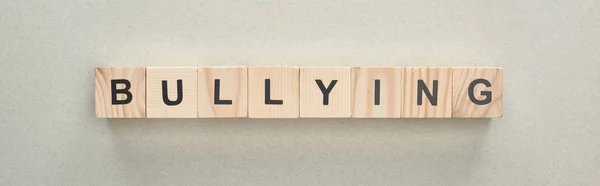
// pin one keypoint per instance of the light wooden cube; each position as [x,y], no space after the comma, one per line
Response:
[172,92]
[325,92]
[120,92]
[280,99]
[222,92]
[377,92]
[440,106]
[477,92]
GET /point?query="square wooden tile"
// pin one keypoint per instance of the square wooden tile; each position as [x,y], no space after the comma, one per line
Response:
[477,92]
[120,92]
[377,92]
[325,92]
[172,92]
[440,104]
[222,92]
[273,92]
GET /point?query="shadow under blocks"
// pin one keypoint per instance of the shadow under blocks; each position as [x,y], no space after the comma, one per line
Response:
[298,92]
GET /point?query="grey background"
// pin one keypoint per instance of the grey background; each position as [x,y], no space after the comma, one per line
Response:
[549,134]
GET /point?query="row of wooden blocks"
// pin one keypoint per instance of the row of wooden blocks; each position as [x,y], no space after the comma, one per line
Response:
[298,92]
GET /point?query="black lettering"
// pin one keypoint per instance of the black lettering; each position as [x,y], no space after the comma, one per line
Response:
[326,91]
[377,96]
[268,100]
[487,94]
[114,91]
[422,88]
[166,94]
[218,101]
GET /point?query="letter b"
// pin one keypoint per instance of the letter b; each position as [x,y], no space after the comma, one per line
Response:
[114,91]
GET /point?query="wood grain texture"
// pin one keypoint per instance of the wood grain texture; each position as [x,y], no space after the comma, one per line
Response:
[311,97]
[410,107]
[390,92]
[284,84]
[463,106]
[232,86]
[156,107]
[103,97]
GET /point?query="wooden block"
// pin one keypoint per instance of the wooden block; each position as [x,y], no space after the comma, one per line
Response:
[222,92]
[273,92]
[325,92]
[120,92]
[477,92]
[172,92]
[427,93]
[377,92]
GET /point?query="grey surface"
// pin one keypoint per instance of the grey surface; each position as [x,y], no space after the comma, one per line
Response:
[550,133]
